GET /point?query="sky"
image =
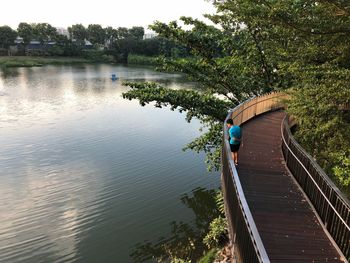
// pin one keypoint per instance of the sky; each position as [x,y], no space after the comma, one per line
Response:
[117,13]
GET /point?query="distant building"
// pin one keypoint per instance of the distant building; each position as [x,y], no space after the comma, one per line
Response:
[88,44]
[19,40]
[34,47]
[149,35]
[38,48]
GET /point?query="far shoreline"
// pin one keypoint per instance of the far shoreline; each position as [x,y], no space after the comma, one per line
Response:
[31,61]
[38,61]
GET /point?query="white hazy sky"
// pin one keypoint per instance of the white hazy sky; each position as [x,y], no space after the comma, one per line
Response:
[64,13]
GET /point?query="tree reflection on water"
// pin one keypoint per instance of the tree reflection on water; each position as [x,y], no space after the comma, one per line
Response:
[6,72]
[186,239]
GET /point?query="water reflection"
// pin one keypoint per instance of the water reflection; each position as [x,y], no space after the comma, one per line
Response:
[8,72]
[83,171]
[48,209]
[186,239]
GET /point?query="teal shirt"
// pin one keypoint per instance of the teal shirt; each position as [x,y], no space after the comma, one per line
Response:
[235,132]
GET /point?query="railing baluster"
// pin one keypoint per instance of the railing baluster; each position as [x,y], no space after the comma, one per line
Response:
[331,205]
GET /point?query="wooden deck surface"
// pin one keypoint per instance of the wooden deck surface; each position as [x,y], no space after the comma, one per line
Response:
[289,228]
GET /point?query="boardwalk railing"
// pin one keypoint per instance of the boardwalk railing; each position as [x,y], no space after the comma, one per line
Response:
[247,244]
[332,207]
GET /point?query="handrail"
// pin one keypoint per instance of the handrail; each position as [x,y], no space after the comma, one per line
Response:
[228,166]
[331,205]
[312,179]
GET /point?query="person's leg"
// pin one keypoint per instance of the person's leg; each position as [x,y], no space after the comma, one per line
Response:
[235,157]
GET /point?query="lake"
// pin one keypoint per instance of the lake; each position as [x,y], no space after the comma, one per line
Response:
[86,176]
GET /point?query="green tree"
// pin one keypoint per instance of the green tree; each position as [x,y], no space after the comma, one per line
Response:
[123,32]
[260,46]
[111,35]
[25,31]
[78,33]
[7,36]
[323,124]
[44,32]
[69,48]
[310,42]
[96,34]
[127,41]
[227,65]
[136,32]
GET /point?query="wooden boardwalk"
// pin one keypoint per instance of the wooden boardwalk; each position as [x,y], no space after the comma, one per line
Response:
[286,222]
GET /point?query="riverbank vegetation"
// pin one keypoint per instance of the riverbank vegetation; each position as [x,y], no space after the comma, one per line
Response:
[253,48]
[142,60]
[93,43]
[23,61]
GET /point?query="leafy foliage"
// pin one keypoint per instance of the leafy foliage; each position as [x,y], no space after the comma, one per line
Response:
[259,46]
[194,103]
[209,257]
[25,31]
[44,32]
[218,228]
[219,199]
[226,62]
[96,34]
[323,124]
[217,232]
[228,68]
[78,32]
[7,36]
[204,106]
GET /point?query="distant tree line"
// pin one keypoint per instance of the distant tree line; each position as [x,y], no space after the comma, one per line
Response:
[117,42]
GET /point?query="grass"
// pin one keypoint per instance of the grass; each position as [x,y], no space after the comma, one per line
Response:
[142,60]
[28,61]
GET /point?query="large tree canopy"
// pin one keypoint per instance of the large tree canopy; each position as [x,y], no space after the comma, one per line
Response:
[7,36]
[44,32]
[260,46]
[96,34]
[78,32]
[25,31]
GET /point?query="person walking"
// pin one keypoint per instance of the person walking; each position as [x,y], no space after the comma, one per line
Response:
[235,138]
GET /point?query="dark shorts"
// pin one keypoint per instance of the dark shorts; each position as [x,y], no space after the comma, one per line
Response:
[234,147]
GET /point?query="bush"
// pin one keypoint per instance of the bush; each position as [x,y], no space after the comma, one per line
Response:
[322,124]
[94,55]
[341,168]
[97,56]
[219,200]
[36,52]
[142,60]
[55,51]
[217,234]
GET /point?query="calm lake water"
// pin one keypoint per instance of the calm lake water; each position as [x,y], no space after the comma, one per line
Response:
[85,175]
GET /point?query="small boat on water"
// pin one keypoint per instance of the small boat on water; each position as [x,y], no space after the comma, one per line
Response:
[114,77]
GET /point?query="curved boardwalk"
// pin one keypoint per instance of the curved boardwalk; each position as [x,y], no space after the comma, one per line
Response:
[289,228]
